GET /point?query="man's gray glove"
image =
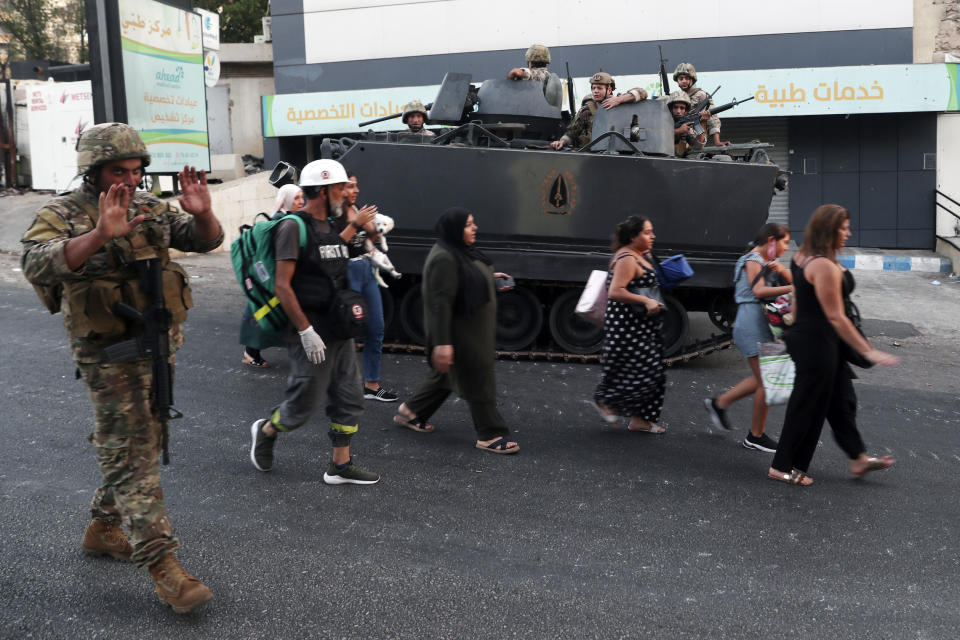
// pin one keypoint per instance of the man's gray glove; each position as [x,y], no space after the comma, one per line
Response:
[313,345]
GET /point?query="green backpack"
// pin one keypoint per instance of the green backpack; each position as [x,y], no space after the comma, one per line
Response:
[255,267]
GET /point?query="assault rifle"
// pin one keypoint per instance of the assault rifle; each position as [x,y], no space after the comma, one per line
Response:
[664,81]
[571,98]
[693,118]
[153,343]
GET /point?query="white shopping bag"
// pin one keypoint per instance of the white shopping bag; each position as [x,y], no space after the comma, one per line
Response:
[776,371]
[593,301]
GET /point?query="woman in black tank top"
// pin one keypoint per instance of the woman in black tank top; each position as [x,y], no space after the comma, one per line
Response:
[822,342]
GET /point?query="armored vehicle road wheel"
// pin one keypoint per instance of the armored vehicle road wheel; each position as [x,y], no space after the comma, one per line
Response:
[519,316]
[411,315]
[676,324]
[722,313]
[570,331]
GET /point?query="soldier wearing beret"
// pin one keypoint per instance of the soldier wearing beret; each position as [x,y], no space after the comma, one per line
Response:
[80,254]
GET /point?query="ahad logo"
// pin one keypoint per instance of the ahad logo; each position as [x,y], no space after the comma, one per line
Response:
[324,175]
[357,311]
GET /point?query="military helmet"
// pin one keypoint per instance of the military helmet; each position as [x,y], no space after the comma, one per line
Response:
[414,106]
[323,172]
[685,68]
[679,96]
[602,77]
[107,142]
[538,53]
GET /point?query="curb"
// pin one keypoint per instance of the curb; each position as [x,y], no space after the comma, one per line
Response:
[933,264]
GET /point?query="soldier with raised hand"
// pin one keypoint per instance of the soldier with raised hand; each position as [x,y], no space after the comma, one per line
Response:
[415,117]
[81,253]
[602,86]
[538,59]
[685,76]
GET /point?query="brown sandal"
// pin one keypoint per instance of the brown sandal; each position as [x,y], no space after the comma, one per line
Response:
[796,477]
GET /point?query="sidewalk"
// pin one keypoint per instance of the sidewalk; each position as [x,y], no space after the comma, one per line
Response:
[862,258]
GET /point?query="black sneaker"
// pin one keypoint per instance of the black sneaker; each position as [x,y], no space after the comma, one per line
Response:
[261,447]
[717,415]
[380,394]
[351,474]
[760,443]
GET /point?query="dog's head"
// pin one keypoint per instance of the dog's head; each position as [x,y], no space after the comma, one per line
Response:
[383,224]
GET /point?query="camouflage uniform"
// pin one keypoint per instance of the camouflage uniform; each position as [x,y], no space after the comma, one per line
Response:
[698,95]
[580,131]
[416,106]
[540,74]
[552,85]
[127,432]
[683,143]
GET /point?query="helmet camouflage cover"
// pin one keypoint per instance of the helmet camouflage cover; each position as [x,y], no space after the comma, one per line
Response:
[414,106]
[602,77]
[538,53]
[679,96]
[685,68]
[107,142]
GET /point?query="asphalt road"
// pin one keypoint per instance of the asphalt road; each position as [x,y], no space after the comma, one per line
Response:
[589,532]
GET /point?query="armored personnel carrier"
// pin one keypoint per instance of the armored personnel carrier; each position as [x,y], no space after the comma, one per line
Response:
[547,217]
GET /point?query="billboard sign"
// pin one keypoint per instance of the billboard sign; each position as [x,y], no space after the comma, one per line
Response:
[163,74]
[338,111]
[777,92]
[210,25]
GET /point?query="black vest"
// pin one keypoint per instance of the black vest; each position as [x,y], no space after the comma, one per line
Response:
[321,266]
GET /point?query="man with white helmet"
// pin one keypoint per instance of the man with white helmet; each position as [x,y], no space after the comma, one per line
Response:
[309,281]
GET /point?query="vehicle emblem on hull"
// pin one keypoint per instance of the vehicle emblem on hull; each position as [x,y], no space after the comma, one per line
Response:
[558,193]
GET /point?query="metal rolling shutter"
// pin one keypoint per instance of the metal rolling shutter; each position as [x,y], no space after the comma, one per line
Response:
[774,131]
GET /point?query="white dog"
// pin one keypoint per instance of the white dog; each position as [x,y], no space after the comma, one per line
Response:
[378,256]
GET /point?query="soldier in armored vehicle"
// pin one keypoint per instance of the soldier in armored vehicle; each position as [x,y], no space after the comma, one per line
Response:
[684,138]
[602,86]
[685,75]
[538,59]
[415,117]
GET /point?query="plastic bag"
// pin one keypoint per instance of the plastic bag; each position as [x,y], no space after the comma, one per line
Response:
[777,372]
[673,270]
[593,301]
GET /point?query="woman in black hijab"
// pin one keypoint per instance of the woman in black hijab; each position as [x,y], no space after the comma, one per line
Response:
[460,321]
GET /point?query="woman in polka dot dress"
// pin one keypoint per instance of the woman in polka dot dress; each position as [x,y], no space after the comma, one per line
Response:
[633,370]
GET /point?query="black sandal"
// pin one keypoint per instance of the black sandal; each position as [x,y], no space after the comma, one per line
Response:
[417,424]
[250,361]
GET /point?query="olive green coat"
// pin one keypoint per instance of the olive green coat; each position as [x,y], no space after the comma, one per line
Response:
[472,336]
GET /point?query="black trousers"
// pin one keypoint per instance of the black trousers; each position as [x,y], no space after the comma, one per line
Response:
[822,390]
[437,387]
